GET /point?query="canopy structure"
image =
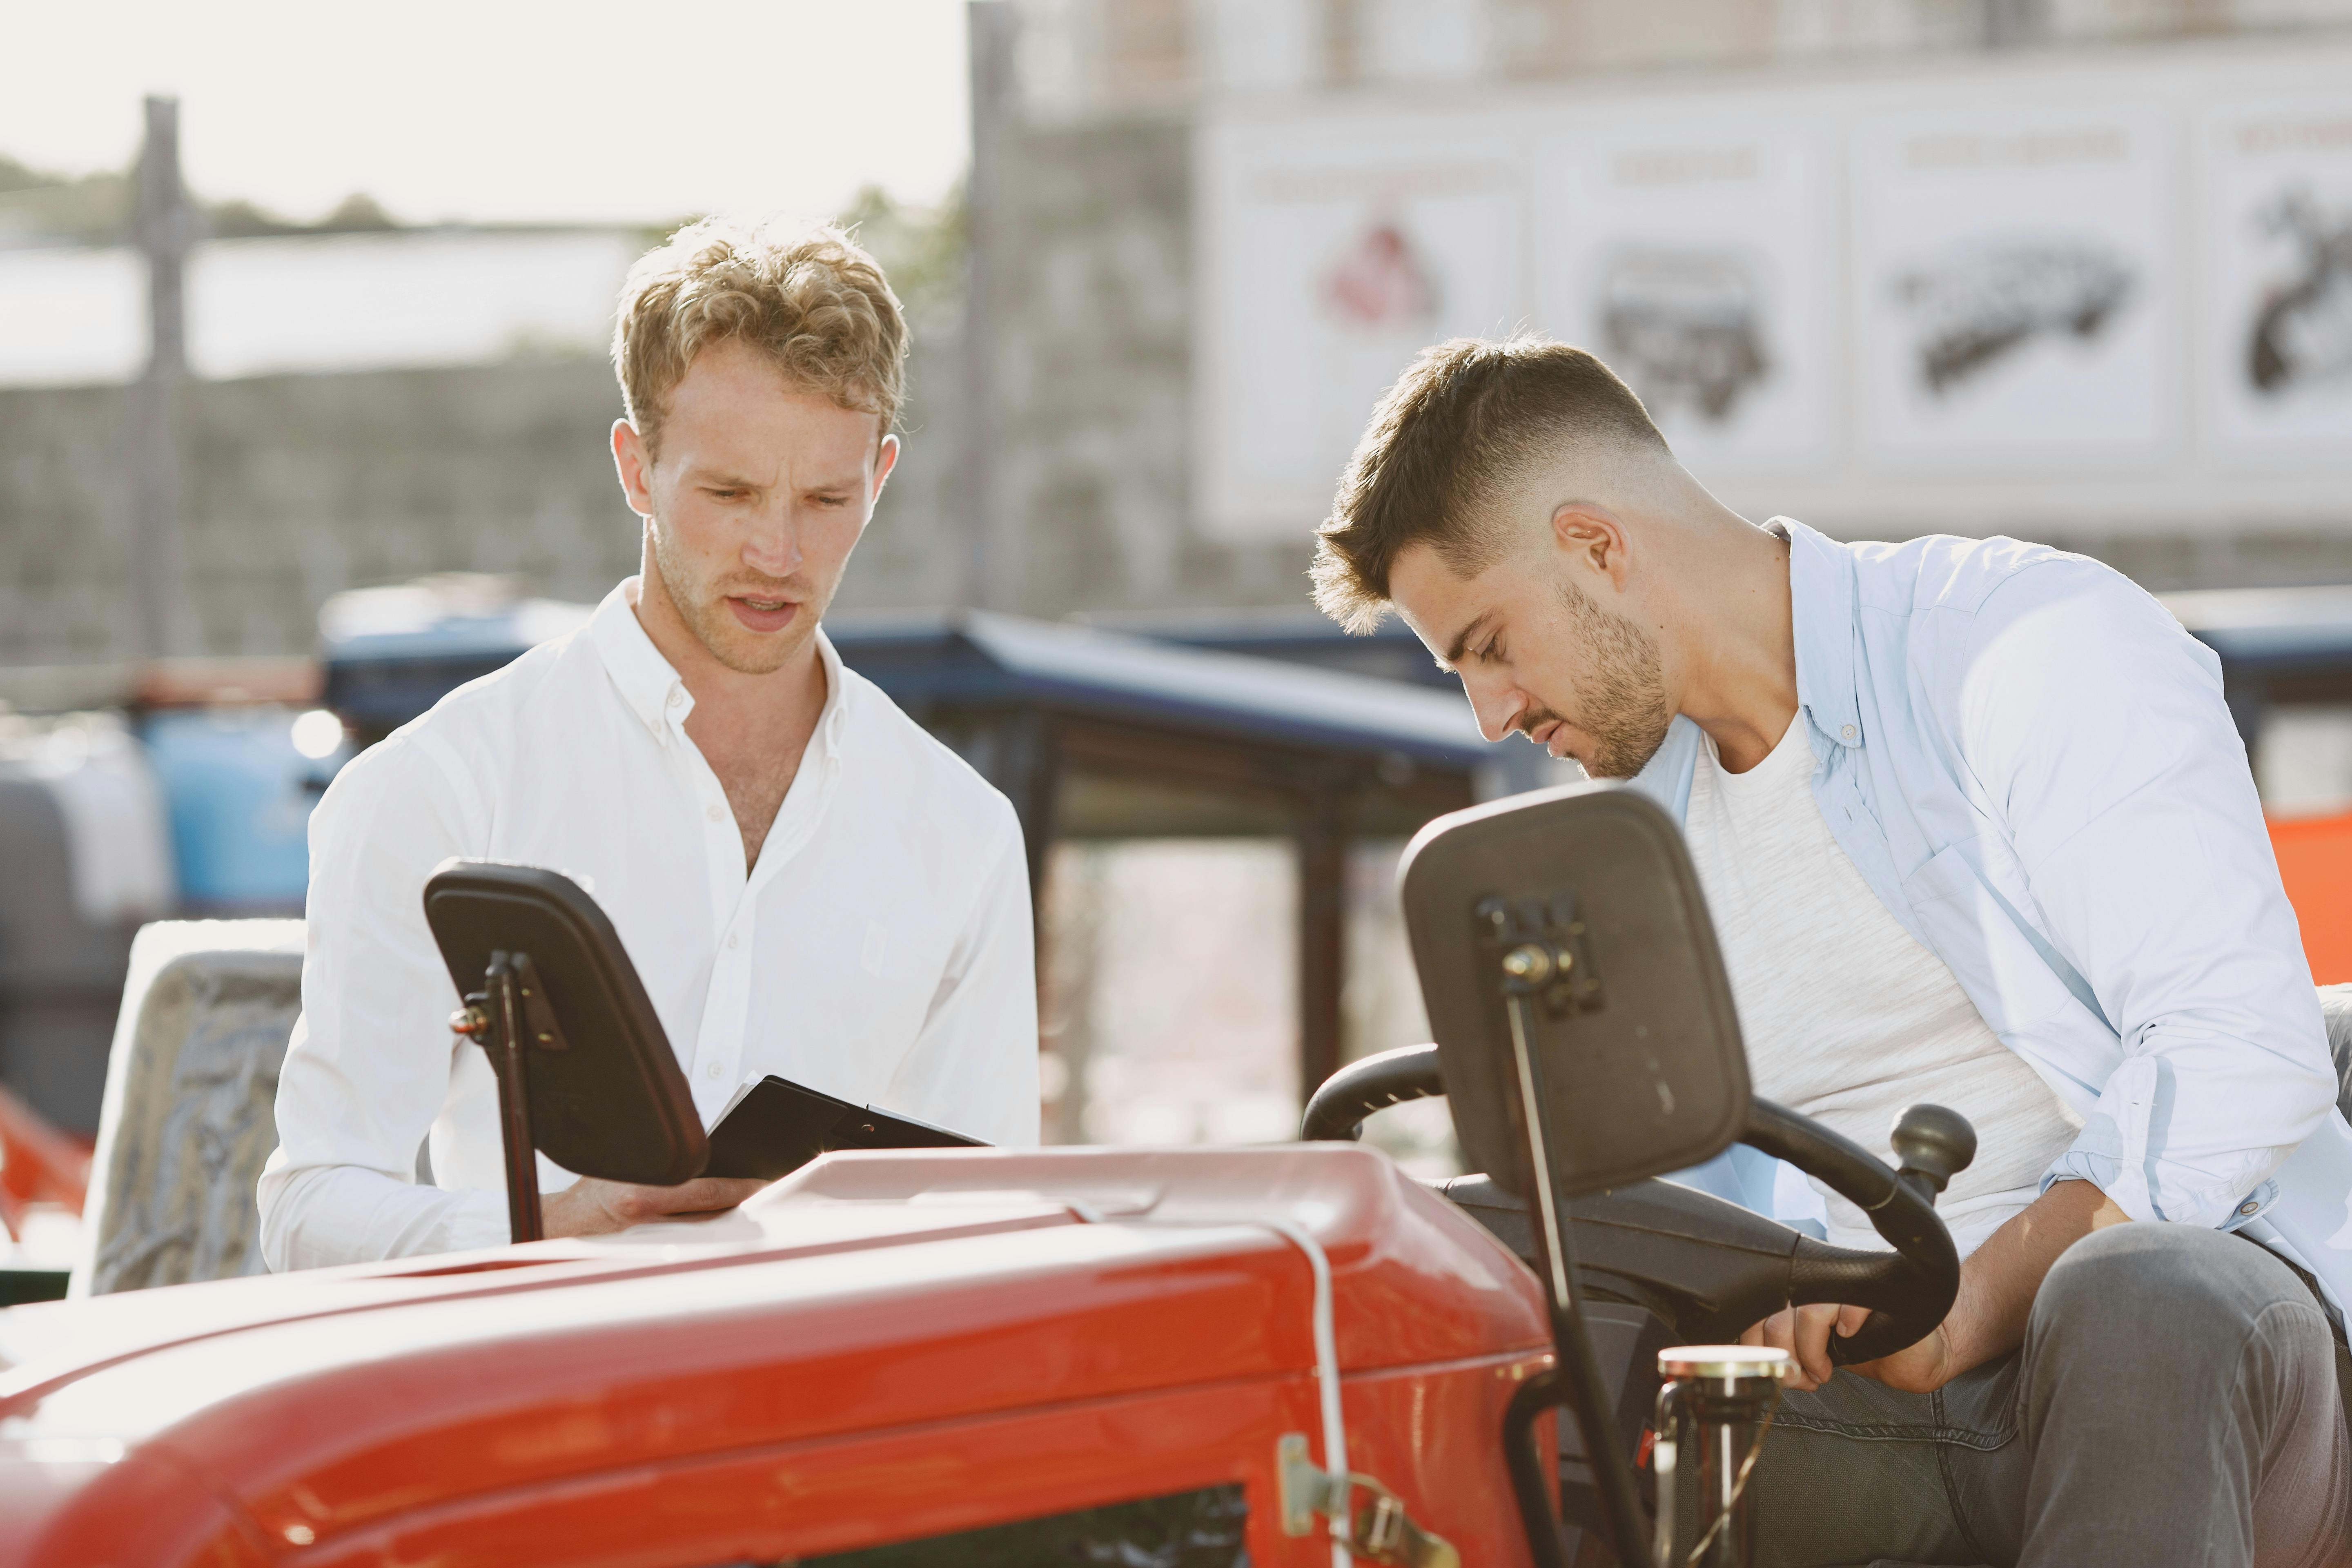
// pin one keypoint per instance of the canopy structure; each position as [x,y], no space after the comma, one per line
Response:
[1296,634]
[391,653]
[1092,735]
[2279,647]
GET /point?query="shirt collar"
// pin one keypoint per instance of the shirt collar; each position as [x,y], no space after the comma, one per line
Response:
[834,720]
[1821,608]
[642,676]
[654,691]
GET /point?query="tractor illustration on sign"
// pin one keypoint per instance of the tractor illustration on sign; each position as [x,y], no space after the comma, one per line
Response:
[2303,330]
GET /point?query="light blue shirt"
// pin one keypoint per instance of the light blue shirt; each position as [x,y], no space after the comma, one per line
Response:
[2030,763]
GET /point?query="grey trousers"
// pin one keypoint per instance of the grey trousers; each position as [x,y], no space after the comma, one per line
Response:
[2175,1403]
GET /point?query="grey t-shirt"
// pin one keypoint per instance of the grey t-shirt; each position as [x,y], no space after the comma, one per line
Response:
[1847,1017]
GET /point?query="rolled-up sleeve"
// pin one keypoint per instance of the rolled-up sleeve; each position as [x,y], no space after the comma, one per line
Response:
[368,1068]
[2096,727]
[973,1067]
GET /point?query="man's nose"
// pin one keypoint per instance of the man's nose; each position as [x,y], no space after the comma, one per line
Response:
[1497,705]
[774,545]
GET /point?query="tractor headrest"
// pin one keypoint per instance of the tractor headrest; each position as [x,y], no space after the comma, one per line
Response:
[1582,904]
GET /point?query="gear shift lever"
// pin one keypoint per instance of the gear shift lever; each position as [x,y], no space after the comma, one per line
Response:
[1934,1144]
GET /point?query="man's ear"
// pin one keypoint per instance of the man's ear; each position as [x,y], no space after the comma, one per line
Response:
[633,466]
[886,458]
[1595,538]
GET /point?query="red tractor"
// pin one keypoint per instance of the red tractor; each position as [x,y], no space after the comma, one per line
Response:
[1177,1359]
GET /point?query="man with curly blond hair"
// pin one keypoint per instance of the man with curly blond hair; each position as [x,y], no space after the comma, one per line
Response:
[810,885]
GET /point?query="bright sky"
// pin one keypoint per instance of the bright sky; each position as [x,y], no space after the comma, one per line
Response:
[492,109]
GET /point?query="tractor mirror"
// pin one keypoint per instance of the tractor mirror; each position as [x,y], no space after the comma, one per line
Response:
[600,1090]
[1569,922]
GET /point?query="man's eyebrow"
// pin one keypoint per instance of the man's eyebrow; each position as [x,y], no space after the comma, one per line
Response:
[1454,650]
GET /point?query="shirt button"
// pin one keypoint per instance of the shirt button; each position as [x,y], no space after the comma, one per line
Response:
[731,939]
[716,812]
[2250,1207]
[1847,732]
[712,1072]
[675,698]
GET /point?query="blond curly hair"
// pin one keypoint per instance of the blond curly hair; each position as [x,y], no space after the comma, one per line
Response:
[803,295]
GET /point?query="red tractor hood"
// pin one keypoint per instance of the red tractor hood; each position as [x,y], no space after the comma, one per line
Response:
[245,1420]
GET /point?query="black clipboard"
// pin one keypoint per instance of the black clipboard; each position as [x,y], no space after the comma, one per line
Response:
[774,1126]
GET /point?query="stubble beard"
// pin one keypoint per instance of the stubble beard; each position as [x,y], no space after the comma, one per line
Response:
[1625,710]
[702,606]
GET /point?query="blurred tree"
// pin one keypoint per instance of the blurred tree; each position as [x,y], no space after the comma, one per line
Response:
[358,213]
[920,247]
[41,206]
[90,209]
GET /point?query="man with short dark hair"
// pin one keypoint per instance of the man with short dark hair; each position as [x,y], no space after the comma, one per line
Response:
[1975,828]
[810,885]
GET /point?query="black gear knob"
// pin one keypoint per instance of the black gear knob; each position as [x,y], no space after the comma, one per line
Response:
[1935,1144]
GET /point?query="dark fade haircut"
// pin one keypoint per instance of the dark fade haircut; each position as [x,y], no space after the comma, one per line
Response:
[1466,419]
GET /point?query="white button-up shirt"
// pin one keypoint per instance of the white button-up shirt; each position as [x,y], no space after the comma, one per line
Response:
[879,951]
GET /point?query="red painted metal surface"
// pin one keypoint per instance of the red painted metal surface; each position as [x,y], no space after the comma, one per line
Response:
[886,1348]
[37,1164]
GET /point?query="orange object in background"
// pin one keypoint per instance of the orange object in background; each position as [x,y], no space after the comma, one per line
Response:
[37,1164]
[2315,857]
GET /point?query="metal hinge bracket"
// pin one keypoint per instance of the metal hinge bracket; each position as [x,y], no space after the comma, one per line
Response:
[1379,1532]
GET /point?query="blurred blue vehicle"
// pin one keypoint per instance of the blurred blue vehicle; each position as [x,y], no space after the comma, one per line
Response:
[238,790]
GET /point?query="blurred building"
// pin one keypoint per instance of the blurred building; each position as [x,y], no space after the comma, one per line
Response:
[1214,228]
[1891,266]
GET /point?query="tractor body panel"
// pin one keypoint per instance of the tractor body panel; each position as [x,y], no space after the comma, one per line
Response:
[886,1348]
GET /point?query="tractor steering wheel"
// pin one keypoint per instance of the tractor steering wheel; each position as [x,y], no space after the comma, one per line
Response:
[1641,1233]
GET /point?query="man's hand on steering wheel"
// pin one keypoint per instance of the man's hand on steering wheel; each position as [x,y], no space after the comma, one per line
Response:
[1988,1317]
[593,1207]
[1804,1332]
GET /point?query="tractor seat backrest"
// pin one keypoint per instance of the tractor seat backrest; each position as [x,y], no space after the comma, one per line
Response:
[190,1114]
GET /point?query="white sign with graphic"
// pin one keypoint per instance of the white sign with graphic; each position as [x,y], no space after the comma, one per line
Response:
[2277,324]
[1696,261]
[1335,254]
[2014,279]
[2066,296]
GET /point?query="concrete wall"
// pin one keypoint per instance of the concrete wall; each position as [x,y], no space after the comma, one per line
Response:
[1092,313]
[913,553]
[295,486]
[62,589]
